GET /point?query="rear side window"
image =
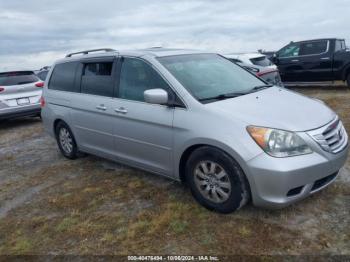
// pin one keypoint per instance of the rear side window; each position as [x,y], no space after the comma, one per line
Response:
[261,61]
[97,79]
[63,76]
[17,78]
[313,48]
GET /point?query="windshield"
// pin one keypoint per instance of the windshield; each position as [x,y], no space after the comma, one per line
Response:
[209,75]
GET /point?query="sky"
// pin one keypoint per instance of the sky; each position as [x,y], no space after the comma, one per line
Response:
[34,33]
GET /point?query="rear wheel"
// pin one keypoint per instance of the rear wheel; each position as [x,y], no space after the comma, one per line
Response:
[216,180]
[66,141]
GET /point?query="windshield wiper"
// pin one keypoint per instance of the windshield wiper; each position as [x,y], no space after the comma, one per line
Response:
[255,88]
[222,96]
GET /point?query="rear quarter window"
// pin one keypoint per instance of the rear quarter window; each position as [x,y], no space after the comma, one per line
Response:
[17,78]
[63,76]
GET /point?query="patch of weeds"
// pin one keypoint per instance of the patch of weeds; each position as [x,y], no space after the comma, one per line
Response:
[66,195]
[207,238]
[118,192]
[92,190]
[178,226]
[66,224]
[179,208]
[22,245]
[244,231]
[137,228]
[135,184]
[108,237]
[88,227]
[173,197]
[201,213]
[94,203]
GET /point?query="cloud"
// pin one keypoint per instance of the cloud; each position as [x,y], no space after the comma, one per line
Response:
[35,33]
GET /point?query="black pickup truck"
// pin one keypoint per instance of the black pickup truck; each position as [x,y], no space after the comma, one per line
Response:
[314,62]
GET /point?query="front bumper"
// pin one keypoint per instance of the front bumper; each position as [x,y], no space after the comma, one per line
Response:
[279,182]
[20,111]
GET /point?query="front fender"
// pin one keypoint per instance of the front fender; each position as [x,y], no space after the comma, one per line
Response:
[236,149]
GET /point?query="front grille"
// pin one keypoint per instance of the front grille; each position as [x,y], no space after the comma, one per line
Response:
[332,138]
[323,181]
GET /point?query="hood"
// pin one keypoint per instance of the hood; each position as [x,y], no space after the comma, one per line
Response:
[276,108]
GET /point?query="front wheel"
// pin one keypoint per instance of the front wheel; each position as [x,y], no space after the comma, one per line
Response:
[216,180]
[66,141]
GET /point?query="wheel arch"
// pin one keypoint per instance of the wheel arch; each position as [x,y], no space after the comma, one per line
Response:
[346,72]
[222,147]
[55,123]
[58,120]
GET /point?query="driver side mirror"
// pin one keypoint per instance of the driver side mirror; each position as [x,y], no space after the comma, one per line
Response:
[156,96]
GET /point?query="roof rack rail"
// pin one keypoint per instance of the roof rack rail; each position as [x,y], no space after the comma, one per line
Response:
[91,51]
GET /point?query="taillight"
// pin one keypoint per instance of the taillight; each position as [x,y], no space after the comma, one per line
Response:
[2,89]
[42,102]
[39,84]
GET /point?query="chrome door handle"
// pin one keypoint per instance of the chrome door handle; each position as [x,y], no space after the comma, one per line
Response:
[325,58]
[101,107]
[121,110]
[295,60]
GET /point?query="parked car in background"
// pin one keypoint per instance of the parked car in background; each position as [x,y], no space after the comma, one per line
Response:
[268,54]
[314,62]
[198,118]
[268,74]
[253,59]
[42,73]
[20,93]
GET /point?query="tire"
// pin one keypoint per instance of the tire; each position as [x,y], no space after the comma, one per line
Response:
[66,141]
[223,192]
[348,80]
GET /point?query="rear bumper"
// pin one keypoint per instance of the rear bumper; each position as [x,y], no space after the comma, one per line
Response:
[279,182]
[20,111]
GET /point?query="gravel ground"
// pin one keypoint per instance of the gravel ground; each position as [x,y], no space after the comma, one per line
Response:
[51,205]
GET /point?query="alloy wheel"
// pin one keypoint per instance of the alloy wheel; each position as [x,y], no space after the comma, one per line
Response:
[66,140]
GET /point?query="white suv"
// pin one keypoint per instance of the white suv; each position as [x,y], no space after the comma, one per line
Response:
[20,93]
[253,59]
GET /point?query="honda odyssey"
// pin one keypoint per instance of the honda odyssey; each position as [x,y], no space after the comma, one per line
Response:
[198,118]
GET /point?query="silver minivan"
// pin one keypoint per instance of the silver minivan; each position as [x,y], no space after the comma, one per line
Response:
[197,118]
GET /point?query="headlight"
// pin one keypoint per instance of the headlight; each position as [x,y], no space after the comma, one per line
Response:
[279,143]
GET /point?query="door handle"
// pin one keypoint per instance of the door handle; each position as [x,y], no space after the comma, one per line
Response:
[121,110]
[295,60]
[325,58]
[101,107]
